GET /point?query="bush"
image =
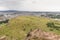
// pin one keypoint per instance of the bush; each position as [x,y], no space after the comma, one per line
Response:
[50,24]
[5,21]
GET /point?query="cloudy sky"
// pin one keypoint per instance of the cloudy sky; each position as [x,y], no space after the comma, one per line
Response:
[30,5]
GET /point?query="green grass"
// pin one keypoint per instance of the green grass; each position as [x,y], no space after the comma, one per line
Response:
[17,28]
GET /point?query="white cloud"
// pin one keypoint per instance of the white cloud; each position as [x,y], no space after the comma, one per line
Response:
[10,4]
[3,8]
[31,5]
[41,5]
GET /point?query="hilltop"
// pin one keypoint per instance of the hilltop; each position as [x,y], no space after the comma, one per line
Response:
[17,28]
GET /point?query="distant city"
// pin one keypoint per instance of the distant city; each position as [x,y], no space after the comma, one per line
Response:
[13,13]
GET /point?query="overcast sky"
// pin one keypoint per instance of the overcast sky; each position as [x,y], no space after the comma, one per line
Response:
[30,5]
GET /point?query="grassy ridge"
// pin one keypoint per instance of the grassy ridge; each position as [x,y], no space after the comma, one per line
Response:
[17,28]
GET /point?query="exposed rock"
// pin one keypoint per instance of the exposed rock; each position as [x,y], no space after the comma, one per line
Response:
[3,38]
[38,34]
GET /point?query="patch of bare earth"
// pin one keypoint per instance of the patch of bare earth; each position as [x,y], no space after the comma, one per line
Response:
[3,38]
[38,34]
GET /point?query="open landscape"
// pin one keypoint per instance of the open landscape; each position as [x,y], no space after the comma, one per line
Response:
[29,19]
[18,25]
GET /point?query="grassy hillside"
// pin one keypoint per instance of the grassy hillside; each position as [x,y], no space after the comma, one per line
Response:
[17,28]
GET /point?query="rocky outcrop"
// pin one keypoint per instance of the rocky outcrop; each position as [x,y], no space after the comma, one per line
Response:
[3,38]
[38,34]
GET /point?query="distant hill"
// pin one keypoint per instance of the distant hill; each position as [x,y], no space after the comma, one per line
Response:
[9,11]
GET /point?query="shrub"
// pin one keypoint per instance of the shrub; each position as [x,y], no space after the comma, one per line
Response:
[50,24]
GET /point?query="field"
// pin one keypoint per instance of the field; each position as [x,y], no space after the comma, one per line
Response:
[17,28]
